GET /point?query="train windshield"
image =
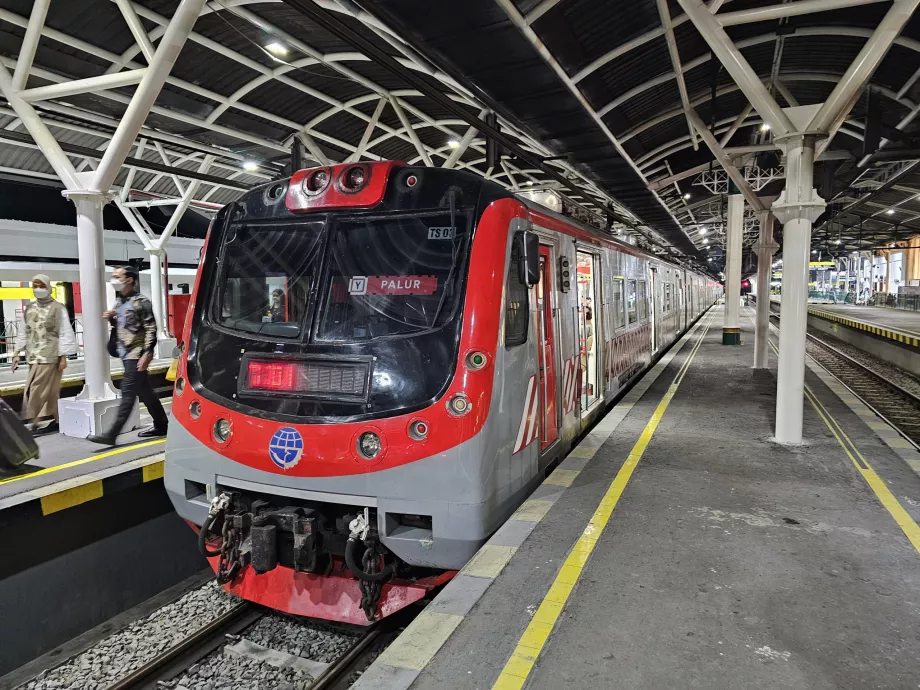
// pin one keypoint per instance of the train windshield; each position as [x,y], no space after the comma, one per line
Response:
[382,276]
[266,277]
[392,275]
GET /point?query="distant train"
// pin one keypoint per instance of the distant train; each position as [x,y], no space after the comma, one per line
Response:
[380,363]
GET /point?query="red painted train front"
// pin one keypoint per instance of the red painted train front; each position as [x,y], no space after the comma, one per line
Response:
[380,362]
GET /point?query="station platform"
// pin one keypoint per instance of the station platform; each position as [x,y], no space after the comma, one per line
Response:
[899,325]
[679,546]
[12,383]
[70,471]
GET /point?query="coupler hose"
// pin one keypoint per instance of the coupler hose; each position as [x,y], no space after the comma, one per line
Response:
[356,570]
[203,537]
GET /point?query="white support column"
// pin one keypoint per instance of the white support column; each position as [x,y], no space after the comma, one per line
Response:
[94,408]
[872,276]
[765,249]
[165,342]
[734,238]
[797,208]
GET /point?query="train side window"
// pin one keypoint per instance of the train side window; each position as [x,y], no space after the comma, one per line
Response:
[517,307]
[667,297]
[619,307]
[631,310]
[643,301]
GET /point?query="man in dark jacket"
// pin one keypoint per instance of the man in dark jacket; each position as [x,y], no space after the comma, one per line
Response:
[136,338]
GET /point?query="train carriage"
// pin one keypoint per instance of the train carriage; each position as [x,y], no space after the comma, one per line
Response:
[380,363]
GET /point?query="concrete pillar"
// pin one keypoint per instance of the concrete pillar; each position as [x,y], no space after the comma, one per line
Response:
[797,208]
[765,248]
[93,409]
[734,238]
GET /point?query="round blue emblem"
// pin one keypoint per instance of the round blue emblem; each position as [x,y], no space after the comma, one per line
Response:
[286,447]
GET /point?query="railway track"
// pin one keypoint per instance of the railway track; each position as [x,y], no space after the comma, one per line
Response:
[239,645]
[176,666]
[888,399]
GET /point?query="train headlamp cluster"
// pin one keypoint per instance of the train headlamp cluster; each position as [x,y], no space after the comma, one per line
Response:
[476,361]
[317,181]
[418,430]
[369,445]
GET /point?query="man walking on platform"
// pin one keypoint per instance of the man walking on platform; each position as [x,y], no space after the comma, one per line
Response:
[46,340]
[135,338]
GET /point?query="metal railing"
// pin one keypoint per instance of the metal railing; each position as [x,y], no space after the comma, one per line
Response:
[10,329]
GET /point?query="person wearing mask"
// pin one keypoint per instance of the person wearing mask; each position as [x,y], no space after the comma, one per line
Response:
[136,337]
[277,310]
[45,341]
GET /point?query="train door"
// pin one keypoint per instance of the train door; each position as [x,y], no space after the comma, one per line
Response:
[653,310]
[549,429]
[587,273]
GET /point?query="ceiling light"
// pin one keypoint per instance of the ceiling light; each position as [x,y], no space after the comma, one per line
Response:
[814,251]
[705,241]
[702,231]
[276,48]
[687,195]
[529,183]
[890,211]
[250,166]
[764,127]
[453,144]
[709,259]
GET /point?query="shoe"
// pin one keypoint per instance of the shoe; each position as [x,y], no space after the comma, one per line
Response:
[151,432]
[47,429]
[101,439]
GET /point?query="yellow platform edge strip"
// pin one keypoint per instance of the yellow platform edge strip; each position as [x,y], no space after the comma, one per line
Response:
[519,666]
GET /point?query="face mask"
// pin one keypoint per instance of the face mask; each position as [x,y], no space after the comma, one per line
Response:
[117,284]
[41,293]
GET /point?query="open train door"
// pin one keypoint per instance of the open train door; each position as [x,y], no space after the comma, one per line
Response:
[549,427]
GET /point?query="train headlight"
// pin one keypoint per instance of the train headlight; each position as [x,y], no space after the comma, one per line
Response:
[369,445]
[459,405]
[222,430]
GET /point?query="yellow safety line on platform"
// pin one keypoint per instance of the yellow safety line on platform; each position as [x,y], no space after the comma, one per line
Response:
[531,643]
[892,334]
[75,463]
[875,482]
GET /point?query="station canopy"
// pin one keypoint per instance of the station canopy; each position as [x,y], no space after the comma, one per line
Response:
[589,101]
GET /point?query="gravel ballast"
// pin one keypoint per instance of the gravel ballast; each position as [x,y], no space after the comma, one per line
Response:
[129,649]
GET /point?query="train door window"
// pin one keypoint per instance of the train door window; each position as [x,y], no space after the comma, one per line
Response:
[517,307]
[549,427]
[631,302]
[619,303]
[643,301]
[587,287]
[667,297]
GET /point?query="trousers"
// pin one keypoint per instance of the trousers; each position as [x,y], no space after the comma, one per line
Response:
[43,388]
[136,385]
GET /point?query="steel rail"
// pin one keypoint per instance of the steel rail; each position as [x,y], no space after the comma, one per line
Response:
[345,663]
[197,645]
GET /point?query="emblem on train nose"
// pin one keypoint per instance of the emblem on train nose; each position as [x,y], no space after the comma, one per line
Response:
[286,447]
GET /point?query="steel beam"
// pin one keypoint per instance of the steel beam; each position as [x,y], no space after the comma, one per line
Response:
[369,130]
[39,131]
[789,9]
[665,15]
[838,105]
[30,43]
[144,97]
[734,241]
[413,135]
[137,29]
[737,66]
[77,86]
[726,162]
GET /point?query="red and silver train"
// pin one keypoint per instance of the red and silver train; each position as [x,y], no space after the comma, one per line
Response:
[380,363]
